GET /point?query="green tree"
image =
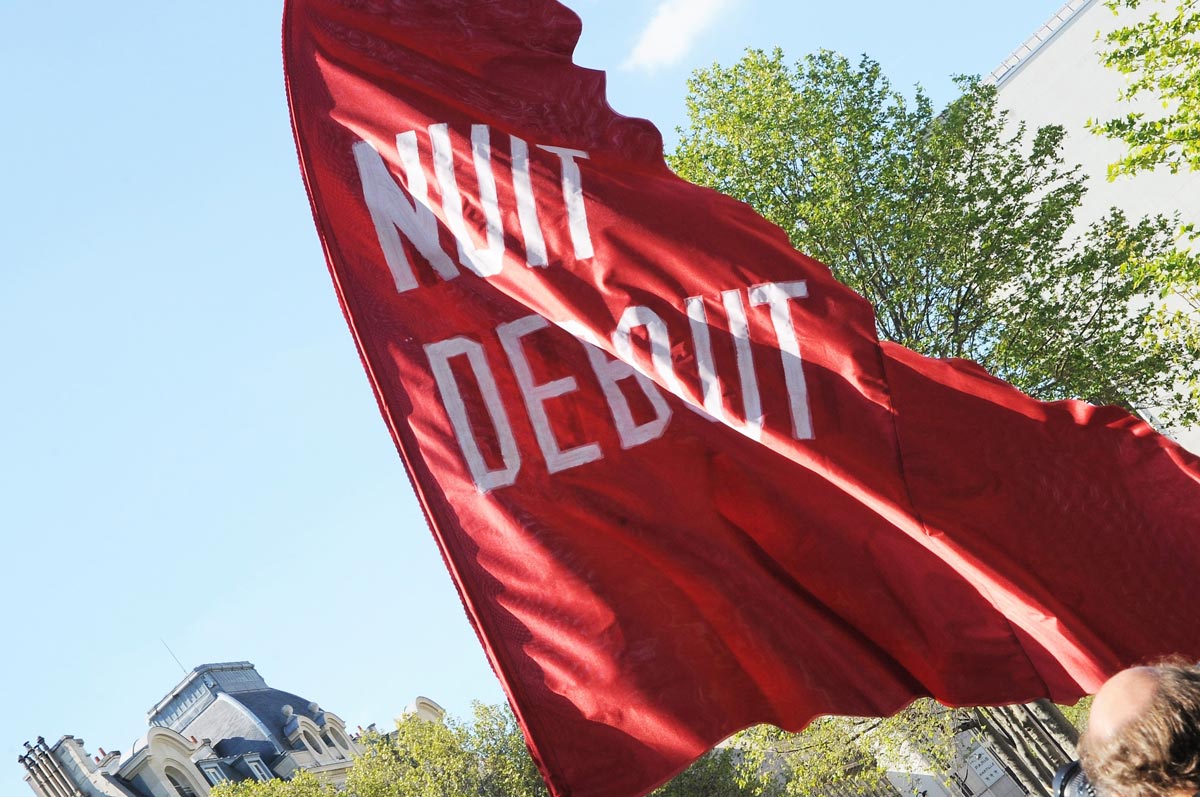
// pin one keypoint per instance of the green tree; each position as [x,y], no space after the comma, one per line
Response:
[1160,56]
[485,757]
[876,757]
[499,746]
[304,784]
[851,755]
[1077,714]
[954,224]
[725,772]
[419,759]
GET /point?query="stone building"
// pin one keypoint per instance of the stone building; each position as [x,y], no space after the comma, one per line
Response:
[222,722]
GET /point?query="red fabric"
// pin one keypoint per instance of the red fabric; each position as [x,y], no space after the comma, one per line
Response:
[908,527]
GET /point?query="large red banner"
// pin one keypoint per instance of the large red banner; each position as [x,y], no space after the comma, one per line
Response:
[679,483]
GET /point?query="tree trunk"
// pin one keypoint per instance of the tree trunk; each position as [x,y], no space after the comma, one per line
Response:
[1042,742]
[1057,726]
[1001,743]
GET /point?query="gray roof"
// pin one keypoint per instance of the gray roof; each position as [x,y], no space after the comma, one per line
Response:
[198,673]
[267,705]
[240,746]
[248,722]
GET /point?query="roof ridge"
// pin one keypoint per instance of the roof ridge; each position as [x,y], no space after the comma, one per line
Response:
[1035,42]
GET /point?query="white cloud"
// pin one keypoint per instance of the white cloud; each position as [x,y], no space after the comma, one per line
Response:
[672,31]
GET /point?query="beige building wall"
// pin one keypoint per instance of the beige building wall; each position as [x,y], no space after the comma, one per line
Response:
[1056,78]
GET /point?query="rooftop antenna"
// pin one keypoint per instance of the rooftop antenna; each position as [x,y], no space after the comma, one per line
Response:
[177,661]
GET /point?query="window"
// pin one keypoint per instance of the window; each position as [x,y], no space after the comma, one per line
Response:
[214,775]
[312,743]
[332,747]
[183,786]
[259,769]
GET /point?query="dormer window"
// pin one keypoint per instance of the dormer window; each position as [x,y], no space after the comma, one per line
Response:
[313,744]
[339,738]
[259,769]
[332,747]
[214,775]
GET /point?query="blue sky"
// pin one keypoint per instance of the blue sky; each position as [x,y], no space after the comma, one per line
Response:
[191,451]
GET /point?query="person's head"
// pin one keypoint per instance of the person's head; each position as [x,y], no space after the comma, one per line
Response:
[1143,734]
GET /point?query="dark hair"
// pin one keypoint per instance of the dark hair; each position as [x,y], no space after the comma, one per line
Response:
[1157,753]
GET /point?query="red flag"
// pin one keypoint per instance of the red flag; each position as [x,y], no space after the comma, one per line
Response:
[680,485]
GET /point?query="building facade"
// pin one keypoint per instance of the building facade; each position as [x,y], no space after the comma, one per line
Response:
[1056,78]
[222,722]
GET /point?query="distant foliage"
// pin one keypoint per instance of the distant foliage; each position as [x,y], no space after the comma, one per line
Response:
[485,757]
[498,745]
[735,771]
[852,755]
[1077,714]
[304,784]
[1160,56]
